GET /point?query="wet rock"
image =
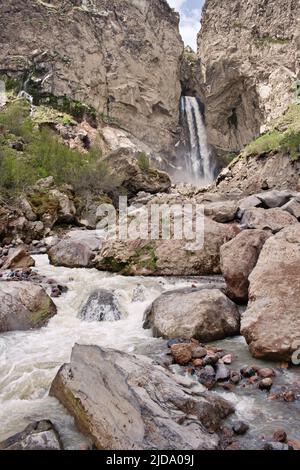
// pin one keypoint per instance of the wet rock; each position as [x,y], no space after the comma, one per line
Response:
[235,377]
[41,435]
[276,446]
[238,259]
[280,436]
[206,315]
[102,387]
[139,293]
[247,371]
[265,384]
[227,359]
[222,372]
[240,428]
[24,305]
[18,258]
[272,219]
[206,376]
[71,254]
[182,353]
[266,373]
[102,305]
[211,360]
[271,323]
[197,362]
[199,352]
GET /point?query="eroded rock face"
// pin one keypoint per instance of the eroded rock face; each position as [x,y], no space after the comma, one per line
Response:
[128,402]
[205,314]
[135,177]
[249,57]
[271,323]
[120,56]
[24,305]
[238,258]
[71,254]
[18,258]
[41,435]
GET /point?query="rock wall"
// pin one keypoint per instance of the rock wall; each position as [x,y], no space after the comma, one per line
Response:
[250,60]
[120,56]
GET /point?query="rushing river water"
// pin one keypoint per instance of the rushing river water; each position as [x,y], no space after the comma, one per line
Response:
[29,360]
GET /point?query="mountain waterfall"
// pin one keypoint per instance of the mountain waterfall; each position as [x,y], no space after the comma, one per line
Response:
[199,161]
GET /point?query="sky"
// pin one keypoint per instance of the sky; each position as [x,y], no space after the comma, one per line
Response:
[190,13]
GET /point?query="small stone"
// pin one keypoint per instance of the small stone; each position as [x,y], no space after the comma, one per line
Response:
[197,362]
[276,446]
[266,373]
[222,372]
[280,436]
[235,377]
[227,359]
[240,428]
[206,376]
[266,384]
[252,379]
[175,341]
[181,353]
[289,396]
[199,352]
[211,360]
[247,371]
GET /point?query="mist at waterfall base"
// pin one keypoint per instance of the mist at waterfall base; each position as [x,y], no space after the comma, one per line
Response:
[197,163]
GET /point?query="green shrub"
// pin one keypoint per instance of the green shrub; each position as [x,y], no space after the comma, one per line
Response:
[144,162]
[291,143]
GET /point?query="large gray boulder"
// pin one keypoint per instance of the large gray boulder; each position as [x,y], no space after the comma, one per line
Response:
[40,435]
[272,219]
[126,402]
[71,254]
[204,314]
[238,258]
[271,323]
[24,305]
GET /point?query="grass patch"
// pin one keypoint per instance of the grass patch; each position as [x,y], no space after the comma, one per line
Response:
[283,136]
[144,162]
[271,40]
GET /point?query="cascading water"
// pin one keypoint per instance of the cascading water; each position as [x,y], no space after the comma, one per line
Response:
[199,161]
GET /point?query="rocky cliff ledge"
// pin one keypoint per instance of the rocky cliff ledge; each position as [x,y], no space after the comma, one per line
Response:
[120,57]
[249,53]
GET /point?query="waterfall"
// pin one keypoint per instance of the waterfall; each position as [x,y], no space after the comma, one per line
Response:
[199,161]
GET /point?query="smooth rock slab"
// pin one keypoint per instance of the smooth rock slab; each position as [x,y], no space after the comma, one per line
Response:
[24,305]
[271,323]
[204,314]
[41,435]
[127,402]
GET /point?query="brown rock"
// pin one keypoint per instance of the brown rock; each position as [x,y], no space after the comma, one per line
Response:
[266,373]
[272,219]
[265,384]
[238,258]
[280,436]
[182,353]
[18,258]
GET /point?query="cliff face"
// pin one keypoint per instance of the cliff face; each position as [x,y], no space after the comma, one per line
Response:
[120,56]
[250,60]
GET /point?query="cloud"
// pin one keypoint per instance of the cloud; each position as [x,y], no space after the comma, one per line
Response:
[190,12]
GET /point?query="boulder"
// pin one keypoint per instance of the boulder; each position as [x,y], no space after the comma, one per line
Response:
[136,174]
[167,257]
[274,198]
[24,305]
[293,207]
[238,258]
[126,402]
[204,314]
[102,305]
[271,323]
[272,219]
[66,207]
[71,254]
[18,258]
[40,435]
[223,211]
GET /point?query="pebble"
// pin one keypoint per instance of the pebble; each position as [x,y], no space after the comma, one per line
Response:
[247,371]
[222,372]
[265,384]
[199,352]
[240,428]
[280,436]
[266,373]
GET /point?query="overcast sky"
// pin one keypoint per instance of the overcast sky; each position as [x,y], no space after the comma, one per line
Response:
[190,12]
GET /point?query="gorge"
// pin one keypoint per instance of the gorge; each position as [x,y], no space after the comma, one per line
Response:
[113,341]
